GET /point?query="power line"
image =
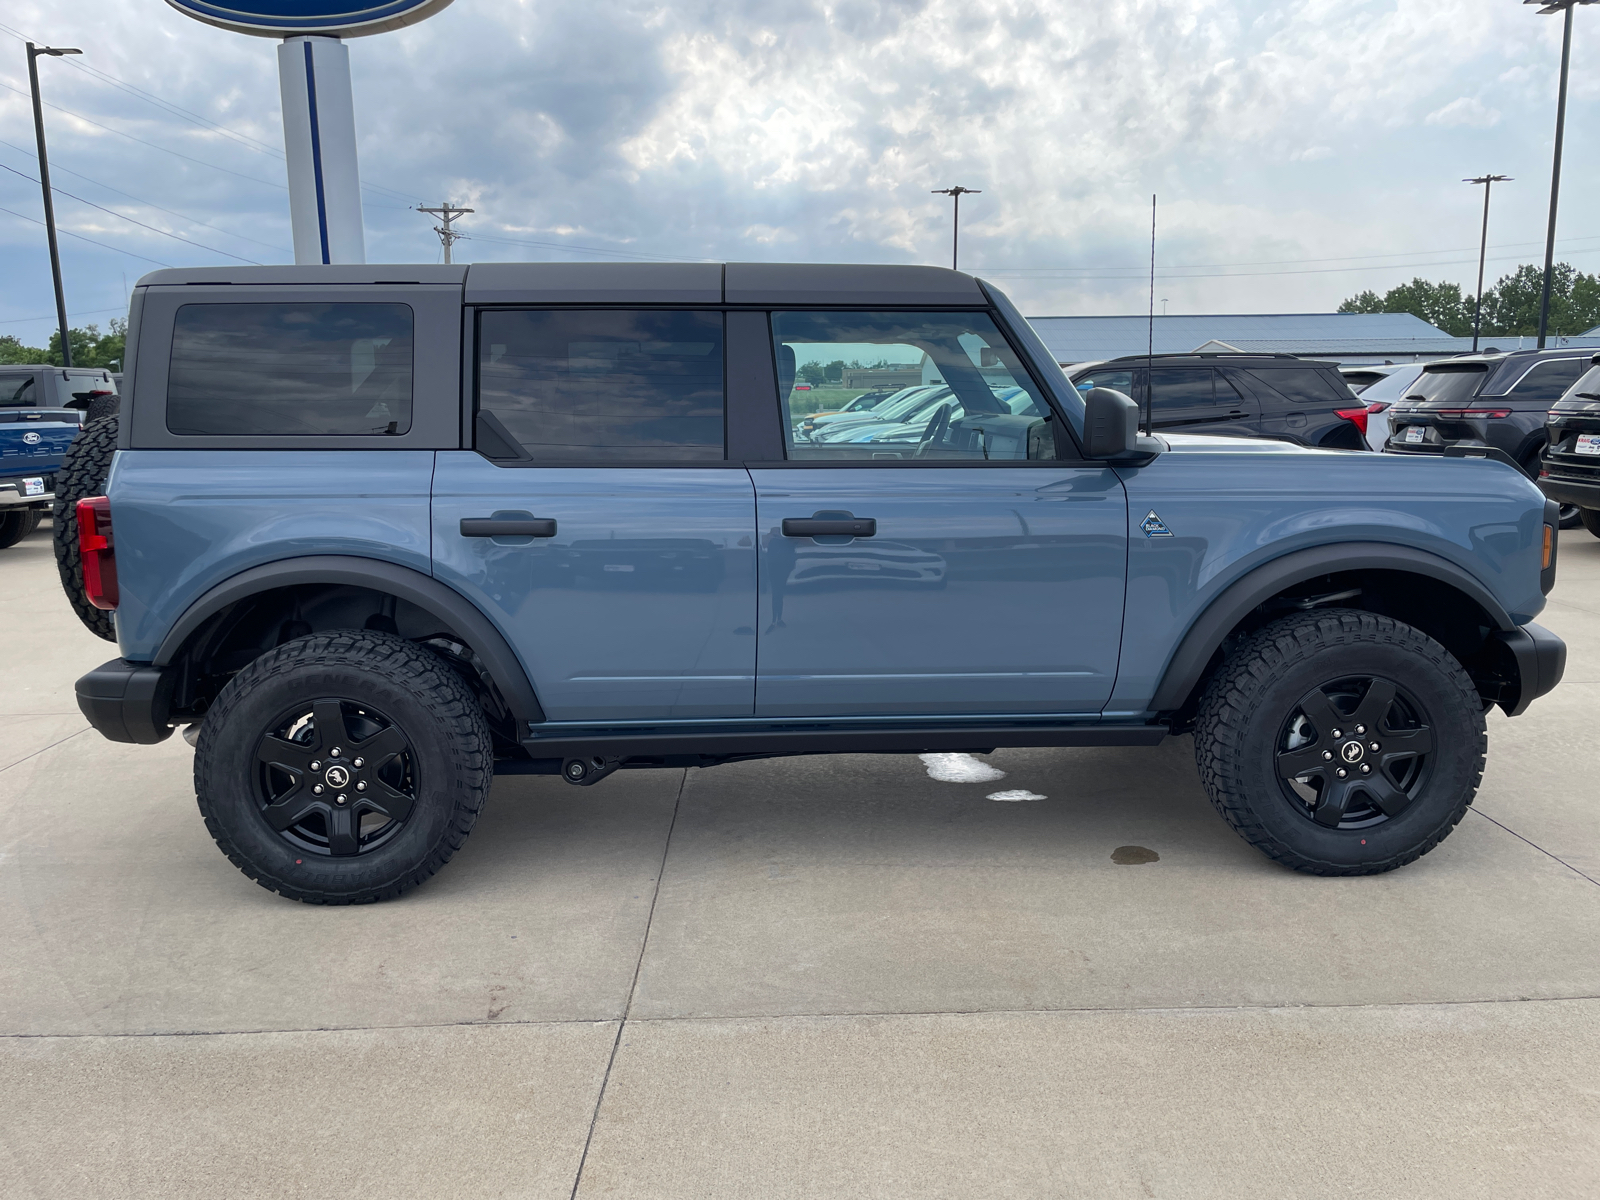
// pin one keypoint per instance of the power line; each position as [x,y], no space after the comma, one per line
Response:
[175,237]
[636,254]
[147,203]
[90,240]
[93,312]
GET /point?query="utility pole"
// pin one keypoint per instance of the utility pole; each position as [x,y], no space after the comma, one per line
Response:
[44,182]
[1564,7]
[955,193]
[1488,182]
[446,213]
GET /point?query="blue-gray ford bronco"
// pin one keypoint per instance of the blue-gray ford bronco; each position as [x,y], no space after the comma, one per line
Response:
[376,534]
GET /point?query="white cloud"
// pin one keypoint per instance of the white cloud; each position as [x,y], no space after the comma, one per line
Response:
[1465,110]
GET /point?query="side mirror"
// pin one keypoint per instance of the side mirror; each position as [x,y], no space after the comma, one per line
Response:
[1111,429]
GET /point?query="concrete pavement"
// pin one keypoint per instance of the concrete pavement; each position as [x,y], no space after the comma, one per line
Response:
[806,977]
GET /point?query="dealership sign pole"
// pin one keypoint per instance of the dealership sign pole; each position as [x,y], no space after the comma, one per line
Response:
[319,123]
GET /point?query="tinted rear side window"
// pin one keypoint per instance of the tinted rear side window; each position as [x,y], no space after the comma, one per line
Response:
[602,386]
[18,391]
[1547,380]
[1302,385]
[290,370]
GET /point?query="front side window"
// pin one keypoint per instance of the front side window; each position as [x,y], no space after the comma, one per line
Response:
[290,370]
[974,401]
[602,385]
[1547,380]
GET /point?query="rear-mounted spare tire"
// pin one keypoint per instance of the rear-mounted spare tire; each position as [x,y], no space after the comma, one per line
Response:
[84,470]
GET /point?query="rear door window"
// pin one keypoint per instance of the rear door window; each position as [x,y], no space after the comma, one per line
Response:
[1303,386]
[1545,382]
[1449,383]
[601,385]
[290,370]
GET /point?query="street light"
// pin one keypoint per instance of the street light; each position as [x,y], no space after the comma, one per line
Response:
[1488,182]
[1564,7]
[955,193]
[44,182]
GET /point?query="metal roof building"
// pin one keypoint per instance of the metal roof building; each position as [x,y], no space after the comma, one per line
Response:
[1342,337]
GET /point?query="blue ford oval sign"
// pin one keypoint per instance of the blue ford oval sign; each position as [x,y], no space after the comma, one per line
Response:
[287,18]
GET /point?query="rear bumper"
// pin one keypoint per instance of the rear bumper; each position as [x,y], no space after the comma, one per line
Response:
[127,702]
[1571,491]
[12,490]
[1540,659]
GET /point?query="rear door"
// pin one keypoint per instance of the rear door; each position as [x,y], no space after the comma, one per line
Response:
[1198,400]
[599,520]
[961,567]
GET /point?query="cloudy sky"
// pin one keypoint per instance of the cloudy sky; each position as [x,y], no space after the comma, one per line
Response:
[1302,149]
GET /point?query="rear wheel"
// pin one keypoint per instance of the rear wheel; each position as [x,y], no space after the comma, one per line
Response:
[84,469]
[1571,516]
[1341,743]
[16,524]
[343,768]
[1590,517]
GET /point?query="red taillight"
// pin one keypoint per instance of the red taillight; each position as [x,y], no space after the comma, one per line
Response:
[97,551]
[1377,406]
[1470,412]
[1356,416]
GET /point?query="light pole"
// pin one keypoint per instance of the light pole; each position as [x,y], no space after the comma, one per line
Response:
[44,182]
[955,193]
[1488,182]
[1565,8]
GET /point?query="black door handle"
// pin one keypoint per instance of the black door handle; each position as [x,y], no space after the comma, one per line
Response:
[508,527]
[801,527]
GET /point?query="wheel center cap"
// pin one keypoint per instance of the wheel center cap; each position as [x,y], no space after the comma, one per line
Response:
[1351,752]
[338,776]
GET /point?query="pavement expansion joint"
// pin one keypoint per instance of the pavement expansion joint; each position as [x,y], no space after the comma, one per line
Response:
[1536,846]
[875,1014]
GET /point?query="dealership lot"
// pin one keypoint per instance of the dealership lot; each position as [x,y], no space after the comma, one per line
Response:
[831,976]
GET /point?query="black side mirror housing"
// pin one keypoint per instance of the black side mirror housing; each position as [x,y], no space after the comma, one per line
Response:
[1111,429]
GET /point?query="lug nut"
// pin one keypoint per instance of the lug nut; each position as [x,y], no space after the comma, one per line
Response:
[1327,755]
[1343,772]
[1374,746]
[1361,729]
[315,765]
[341,799]
[1366,768]
[334,752]
[317,790]
[1338,733]
[362,786]
[361,762]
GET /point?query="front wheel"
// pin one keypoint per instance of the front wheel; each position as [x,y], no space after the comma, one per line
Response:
[1341,742]
[343,768]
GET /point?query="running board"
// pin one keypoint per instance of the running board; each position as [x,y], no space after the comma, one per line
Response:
[756,743]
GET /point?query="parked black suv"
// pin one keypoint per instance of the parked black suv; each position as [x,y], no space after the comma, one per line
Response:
[1570,474]
[1487,402]
[1246,395]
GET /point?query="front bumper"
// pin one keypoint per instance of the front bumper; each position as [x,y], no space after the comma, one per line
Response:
[128,702]
[1538,659]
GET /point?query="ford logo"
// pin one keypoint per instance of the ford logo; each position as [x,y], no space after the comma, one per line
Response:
[286,18]
[30,438]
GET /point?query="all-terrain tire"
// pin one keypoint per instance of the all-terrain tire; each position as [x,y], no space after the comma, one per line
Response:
[16,524]
[374,678]
[1591,519]
[1257,697]
[84,469]
[102,407]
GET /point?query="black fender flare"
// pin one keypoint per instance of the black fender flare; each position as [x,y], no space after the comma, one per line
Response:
[1235,601]
[412,586]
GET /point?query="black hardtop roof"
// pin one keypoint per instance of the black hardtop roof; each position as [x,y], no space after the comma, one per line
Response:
[1233,356]
[627,283]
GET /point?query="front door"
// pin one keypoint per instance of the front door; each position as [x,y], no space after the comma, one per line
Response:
[958,567]
[598,523]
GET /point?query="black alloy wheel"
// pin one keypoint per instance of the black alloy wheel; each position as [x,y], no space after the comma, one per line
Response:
[1355,753]
[336,777]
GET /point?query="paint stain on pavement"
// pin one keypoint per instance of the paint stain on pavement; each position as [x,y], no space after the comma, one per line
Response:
[959,768]
[1019,794]
[1134,855]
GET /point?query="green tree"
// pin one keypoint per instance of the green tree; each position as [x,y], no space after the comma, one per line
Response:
[90,347]
[13,351]
[1363,302]
[811,373]
[834,371]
